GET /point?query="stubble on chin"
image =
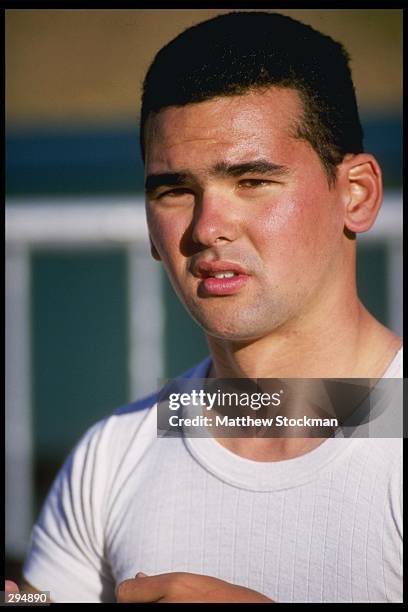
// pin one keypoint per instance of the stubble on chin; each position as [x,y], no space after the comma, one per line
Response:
[240,323]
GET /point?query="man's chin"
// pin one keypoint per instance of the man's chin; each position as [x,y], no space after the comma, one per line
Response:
[231,331]
[244,324]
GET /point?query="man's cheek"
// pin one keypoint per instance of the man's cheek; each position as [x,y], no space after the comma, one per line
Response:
[280,218]
[160,237]
[167,231]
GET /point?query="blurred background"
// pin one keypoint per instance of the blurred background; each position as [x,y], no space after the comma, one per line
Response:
[91,322]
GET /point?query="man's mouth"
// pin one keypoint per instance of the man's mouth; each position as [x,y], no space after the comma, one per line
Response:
[223,275]
[217,269]
[220,278]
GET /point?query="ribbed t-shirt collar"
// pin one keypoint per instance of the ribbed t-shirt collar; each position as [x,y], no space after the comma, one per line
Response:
[269,475]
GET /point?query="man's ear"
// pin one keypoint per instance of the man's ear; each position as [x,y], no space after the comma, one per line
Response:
[153,250]
[363,183]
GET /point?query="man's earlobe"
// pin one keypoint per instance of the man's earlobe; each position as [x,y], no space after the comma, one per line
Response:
[364,192]
[154,251]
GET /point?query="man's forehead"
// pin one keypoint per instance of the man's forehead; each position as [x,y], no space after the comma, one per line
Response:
[224,129]
[277,104]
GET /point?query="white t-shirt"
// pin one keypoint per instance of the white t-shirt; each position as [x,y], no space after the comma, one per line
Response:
[322,527]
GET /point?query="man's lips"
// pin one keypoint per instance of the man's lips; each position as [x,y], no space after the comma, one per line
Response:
[220,277]
[207,269]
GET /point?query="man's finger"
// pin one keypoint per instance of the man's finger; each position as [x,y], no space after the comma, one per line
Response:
[11,587]
[143,589]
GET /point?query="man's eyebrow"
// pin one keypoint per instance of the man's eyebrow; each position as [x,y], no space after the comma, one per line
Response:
[153,181]
[257,166]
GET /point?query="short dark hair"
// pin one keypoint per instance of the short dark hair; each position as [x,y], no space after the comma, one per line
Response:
[237,52]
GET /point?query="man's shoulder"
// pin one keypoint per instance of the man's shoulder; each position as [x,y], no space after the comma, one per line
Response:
[199,370]
[130,419]
[137,407]
[395,367]
[130,429]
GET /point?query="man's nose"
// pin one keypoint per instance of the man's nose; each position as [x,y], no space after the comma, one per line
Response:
[215,218]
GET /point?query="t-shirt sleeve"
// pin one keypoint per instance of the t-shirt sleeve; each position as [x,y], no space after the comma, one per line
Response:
[66,547]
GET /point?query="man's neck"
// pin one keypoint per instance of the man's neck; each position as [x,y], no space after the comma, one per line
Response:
[352,345]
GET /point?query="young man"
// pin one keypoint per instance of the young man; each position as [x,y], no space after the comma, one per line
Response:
[256,186]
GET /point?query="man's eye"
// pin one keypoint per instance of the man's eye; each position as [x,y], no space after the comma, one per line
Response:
[174,193]
[251,183]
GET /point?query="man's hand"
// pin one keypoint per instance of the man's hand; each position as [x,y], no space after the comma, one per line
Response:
[11,587]
[183,587]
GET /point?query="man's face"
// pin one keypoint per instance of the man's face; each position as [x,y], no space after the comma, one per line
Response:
[231,190]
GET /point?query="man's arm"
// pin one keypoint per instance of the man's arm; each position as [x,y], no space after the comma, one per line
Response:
[65,551]
[183,587]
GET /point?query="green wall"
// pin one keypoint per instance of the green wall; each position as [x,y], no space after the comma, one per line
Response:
[79,344]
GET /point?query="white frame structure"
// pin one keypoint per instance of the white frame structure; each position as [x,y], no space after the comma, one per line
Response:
[55,224]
